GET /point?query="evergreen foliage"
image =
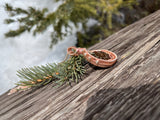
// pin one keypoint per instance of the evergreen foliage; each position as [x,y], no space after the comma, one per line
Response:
[75,11]
[65,72]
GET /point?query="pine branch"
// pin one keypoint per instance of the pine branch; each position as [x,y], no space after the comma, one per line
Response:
[75,11]
[66,72]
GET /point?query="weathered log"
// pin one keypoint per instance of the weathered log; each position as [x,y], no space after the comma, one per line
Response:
[128,90]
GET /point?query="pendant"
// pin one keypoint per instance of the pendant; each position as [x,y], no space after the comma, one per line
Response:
[101,58]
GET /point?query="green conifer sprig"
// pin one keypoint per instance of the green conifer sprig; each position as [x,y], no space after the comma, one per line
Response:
[66,72]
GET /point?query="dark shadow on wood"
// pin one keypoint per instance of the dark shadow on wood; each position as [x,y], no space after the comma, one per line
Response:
[139,103]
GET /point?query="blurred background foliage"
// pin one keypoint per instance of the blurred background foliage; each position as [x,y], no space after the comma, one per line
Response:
[111,16]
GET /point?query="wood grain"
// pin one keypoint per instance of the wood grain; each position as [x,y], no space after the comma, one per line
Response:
[123,91]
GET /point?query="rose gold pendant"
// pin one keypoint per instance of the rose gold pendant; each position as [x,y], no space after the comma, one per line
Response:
[100,58]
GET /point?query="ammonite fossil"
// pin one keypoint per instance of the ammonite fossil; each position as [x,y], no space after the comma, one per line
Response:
[101,58]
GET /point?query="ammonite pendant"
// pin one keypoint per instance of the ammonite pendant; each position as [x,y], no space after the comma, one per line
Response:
[100,58]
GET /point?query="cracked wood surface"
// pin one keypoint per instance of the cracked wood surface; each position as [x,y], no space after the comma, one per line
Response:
[123,91]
